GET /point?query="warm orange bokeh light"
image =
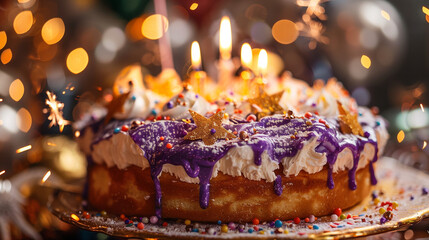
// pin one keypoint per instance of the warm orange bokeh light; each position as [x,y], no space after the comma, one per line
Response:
[134,29]
[285,31]
[3,39]
[400,137]
[23,22]
[53,30]
[154,26]
[77,60]
[193,6]
[25,120]
[16,90]
[365,61]
[6,56]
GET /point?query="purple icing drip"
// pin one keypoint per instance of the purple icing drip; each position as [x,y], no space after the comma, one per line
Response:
[278,185]
[272,136]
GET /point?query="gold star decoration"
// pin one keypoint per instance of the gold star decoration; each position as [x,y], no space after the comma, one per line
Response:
[116,105]
[349,122]
[208,129]
[268,104]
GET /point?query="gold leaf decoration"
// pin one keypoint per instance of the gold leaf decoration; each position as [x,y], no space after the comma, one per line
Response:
[349,122]
[208,129]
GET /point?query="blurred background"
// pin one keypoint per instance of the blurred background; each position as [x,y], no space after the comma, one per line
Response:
[75,49]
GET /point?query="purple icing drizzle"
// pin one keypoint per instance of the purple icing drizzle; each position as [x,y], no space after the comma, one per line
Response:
[278,185]
[271,135]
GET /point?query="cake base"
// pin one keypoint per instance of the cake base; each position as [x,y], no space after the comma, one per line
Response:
[236,199]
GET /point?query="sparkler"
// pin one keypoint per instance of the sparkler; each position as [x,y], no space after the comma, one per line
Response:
[23,149]
[56,111]
[47,175]
[309,27]
[313,8]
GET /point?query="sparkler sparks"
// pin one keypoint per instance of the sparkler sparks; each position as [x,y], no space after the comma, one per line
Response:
[313,8]
[47,175]
[56,111]
[23,149]
[310,28]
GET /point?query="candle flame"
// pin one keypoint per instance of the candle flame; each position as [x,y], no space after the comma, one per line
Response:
[424,144]
[47,175]
[421,106]
[23,149]
[246,55]
[225,39]
[262,61]
[2,172]
[196,55]
[77,134]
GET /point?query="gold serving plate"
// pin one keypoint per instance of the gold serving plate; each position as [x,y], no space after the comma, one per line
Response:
[397,182]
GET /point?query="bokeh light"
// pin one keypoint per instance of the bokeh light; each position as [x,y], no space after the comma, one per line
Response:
[53,30]
[260,32]
[285,31]
[417,118]
[16,90]
[154,26]
[23,22]
[3,39]
[24,120]
[113,39]
[77,60]
[8,120]
[6,56]
[365,61]
[400,136]
[385,14]
[193,6]
[134,29]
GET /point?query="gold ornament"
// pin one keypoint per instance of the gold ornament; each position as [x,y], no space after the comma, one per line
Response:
[349,122]
[208,129]
[268,104]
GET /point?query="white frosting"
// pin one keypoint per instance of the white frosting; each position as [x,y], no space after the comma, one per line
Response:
[138,104]
[120,151]
[197,104]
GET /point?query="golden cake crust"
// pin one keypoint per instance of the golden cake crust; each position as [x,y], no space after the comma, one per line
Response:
[238,199]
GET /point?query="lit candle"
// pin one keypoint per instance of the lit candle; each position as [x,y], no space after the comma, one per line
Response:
[246,55]
[198,77]
[262,66]
[246,74]
[196,56]
[225,64]
[225,39]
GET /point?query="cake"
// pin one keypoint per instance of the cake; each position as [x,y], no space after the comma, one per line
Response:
[291,150]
